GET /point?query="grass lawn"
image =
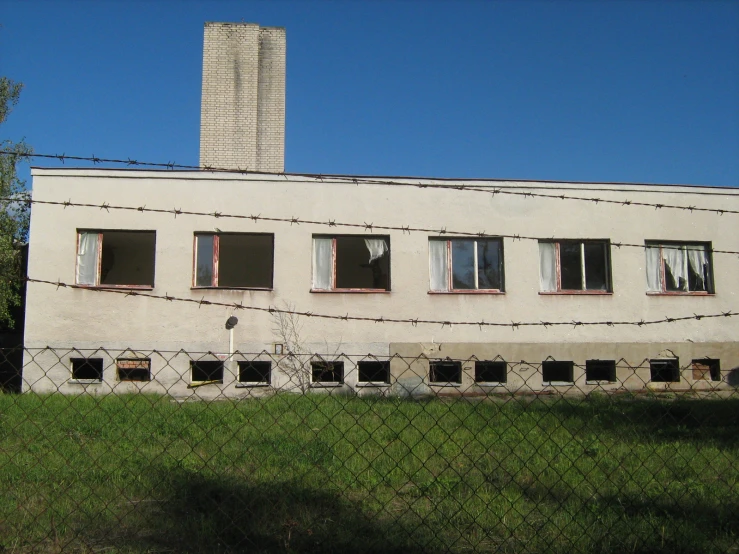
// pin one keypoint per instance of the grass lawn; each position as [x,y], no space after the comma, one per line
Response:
[320,473]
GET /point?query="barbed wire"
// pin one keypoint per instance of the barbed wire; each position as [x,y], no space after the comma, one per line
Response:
[381,319]
[357,180]
[367,227]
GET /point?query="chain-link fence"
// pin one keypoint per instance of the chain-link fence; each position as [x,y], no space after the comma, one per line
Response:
[123,450]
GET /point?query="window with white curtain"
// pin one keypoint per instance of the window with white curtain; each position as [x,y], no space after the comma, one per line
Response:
[351,263]
[115,258]
[234,260]
[466,265]
[679,267]
[575,266]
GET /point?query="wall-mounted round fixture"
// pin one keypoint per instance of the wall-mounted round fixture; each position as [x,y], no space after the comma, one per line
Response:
[231,322]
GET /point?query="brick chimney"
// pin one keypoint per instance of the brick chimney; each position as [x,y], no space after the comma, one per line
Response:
[242,115]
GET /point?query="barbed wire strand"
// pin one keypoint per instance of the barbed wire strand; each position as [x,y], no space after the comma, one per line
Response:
[380,182]
[381,319]
[367,227]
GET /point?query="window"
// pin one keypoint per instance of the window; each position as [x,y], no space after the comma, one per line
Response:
[133,369]
[600,370]
[674,267]
[372,371]
[255,372]
[490,372]
[206,370]
[459,265]
[234,260]
[575,266]
[115,258]
[707,369]
[346,263]
[327,373]
[664,371]
[87,369]
[445,373]
[557,372]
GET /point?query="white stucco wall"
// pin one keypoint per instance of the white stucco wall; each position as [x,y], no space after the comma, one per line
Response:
[89,319]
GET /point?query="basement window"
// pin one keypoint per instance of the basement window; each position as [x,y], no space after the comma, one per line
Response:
[466,265]
[445,373]
[557,372]
[256,372]
[707,369]
[600,371]
[327,373]
[351,263]
[115,258]
[87,369]
[487,372]
[373,371]
[234,260]
[664,371]
[133,369]
[204,371]
[575,266]
[679,268]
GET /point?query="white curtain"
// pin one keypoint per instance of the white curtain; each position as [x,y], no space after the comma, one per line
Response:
[698,260]
[87,259]
[376,247]
[322,263]
[547,266]
[438,265]
[654,264]
[674,256]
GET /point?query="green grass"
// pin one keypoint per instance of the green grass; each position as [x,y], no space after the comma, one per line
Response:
[320,473]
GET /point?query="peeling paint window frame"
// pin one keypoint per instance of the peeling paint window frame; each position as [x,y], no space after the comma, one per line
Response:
[99,259]
[334,262]
[682,245]
[449,266]
[558,267]
[216,258]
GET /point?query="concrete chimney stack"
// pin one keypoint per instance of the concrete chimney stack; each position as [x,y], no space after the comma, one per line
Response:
[242,116]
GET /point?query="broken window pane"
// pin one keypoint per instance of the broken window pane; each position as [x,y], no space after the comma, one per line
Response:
[570,265]
[134,369]
[245,260]
[596,266]
[204,257]
[463,264]
[354,270]
[679,267]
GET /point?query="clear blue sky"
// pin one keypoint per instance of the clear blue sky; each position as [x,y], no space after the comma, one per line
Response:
[641,91]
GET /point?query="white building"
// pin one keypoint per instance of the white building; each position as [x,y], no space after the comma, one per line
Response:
[450,254]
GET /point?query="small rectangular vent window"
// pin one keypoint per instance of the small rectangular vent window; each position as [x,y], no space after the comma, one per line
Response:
[327,372]
[256,371]
[373,371]
[446,372]
[133,369]
[490,372]
[557,372]
[87,369]
[600,370]
[206,370]
[707,369]
[664,371]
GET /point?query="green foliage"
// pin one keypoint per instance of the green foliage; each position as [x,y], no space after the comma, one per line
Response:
[14,210]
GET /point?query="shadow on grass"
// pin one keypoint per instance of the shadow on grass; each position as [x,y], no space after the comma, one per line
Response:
[190,512]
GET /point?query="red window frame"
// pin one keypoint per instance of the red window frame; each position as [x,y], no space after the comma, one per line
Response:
[558,265]
[216,261]
[99,260]
[450,269]
[333,265]
[663,271]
